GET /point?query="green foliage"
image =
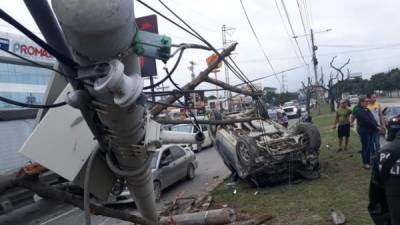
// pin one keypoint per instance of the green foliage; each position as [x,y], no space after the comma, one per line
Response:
[386,81]
[277,99]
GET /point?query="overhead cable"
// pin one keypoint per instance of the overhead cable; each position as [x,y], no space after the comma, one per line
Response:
[258,40]
[293,33]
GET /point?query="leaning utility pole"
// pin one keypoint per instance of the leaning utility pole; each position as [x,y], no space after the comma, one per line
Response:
[225,42]
[314,58]
[315,64]
[191,68]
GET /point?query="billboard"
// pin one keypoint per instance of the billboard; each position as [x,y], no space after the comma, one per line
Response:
[195,102]
[24,47]
[148,65]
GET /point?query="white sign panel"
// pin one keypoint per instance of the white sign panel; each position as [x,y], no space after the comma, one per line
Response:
[24,47]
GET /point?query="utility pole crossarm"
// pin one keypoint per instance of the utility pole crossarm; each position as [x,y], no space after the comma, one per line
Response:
[157,109]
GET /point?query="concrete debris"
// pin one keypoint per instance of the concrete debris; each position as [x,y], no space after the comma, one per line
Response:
[338,217]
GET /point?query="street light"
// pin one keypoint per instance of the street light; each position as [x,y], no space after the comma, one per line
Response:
[303,35]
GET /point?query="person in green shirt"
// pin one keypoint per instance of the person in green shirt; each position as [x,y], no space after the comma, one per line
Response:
[342,120]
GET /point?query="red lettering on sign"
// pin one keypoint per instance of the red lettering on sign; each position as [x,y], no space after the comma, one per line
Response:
[23,49]
[33,51]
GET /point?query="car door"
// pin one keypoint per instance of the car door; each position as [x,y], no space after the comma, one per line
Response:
[180,162]
[166,168]
[207,140]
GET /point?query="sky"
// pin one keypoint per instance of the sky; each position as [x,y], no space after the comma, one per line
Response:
[366,31]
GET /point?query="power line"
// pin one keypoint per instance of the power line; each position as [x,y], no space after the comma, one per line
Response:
[286,30]
[291,28]
[258,41]
[302,23]
[308,22]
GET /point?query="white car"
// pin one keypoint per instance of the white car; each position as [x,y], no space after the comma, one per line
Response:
[353,99]
[292,110]
[189,128]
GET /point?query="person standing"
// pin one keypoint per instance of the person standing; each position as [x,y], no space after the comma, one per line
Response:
[366,126]
[342,119]
[376,111]
[285,120]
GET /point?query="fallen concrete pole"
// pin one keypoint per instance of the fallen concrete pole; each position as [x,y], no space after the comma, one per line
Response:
[211,217]
[211,122]
[158,108]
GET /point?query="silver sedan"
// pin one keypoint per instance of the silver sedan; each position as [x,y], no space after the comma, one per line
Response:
[171,163]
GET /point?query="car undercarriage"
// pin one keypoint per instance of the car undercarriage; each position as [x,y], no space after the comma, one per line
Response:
[262,152]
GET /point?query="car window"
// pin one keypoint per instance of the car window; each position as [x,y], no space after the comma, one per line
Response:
[167,156]
[183,128]
[395,111]
[177,152]
[154,160]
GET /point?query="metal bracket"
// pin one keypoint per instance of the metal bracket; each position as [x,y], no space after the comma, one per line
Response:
[152,45]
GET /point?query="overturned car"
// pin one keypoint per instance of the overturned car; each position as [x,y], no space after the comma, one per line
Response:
[262,152]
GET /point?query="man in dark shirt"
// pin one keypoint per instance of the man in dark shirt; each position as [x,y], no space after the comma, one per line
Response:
[384,192]
[366,127]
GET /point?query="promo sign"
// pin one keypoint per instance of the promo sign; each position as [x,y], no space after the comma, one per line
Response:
[148,65]
[24,47]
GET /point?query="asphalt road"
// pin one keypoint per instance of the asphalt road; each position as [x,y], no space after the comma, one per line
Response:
[211,170]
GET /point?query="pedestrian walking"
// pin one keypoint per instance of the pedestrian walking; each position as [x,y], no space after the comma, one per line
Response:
[285,120]
[366,126]
[376,111]
[384,189]
[342,121]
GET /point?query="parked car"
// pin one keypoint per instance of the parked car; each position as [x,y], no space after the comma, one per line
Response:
[189,128]
[392,121]
[170,164]
[292,109]
[353,99]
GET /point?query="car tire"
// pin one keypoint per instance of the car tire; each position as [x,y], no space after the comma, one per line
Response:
[246,151]
[312,136]
[157,190]
[190,172]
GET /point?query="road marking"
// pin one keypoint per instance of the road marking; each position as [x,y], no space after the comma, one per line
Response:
[59,216]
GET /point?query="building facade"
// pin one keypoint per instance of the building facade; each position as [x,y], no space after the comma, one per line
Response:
[22,83]
[15,127]
[19,80]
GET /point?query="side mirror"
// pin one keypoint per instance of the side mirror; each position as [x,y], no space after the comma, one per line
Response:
[164,163]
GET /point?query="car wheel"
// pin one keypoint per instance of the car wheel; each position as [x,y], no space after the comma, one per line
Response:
[246,150]
[311,139]
[190,172]
[157,190]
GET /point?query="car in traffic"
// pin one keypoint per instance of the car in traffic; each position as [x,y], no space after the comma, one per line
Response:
[190,128]
[391,116]
[353,99]
[292,109]
[170,164]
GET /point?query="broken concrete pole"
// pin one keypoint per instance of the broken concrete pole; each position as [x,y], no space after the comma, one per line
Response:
[211,217]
